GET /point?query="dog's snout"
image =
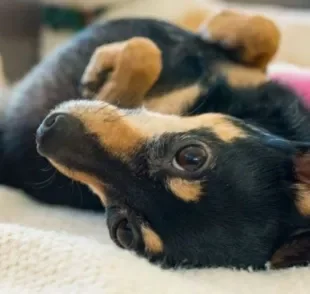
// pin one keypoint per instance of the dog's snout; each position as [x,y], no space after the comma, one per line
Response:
[55,130]
[54,124]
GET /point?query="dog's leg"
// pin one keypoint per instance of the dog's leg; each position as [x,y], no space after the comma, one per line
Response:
[130,69]
[257,38]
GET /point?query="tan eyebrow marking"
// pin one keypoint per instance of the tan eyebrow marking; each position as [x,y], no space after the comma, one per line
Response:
[157,124]
[152,241]
[185,190]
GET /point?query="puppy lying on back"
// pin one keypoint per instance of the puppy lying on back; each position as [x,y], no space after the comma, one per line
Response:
[217,187]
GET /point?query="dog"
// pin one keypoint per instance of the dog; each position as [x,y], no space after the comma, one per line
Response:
[196,156]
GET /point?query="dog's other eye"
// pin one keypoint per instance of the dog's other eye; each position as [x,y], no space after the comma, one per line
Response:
[124,234]
[190,158]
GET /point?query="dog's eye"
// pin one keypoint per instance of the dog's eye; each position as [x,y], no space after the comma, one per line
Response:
[124,234]
[190,158]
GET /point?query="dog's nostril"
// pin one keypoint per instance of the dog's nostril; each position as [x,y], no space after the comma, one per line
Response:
[53,119]
[50,121]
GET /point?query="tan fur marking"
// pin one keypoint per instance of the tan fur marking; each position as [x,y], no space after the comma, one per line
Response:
[136,65]
[303,199]
[241,76]
[94,184]
[156,124]
[257,36]
[112,127]
[175,102]
[185,190]
[152,241]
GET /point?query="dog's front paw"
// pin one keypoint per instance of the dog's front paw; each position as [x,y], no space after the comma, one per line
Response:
[122,73]
[101,64]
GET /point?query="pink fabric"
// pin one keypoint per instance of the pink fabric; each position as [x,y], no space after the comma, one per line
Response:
[298,81]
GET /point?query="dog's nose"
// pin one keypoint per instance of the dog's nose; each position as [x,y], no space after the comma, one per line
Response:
[55,130]
[53,120]
[53,123]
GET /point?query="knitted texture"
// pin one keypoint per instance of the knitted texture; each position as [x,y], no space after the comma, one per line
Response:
[56,250]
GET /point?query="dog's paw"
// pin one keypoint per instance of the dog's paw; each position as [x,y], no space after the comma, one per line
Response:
[122,73]
[101,64]
[256,38]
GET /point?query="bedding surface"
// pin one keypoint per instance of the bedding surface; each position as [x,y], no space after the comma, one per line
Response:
[55,250]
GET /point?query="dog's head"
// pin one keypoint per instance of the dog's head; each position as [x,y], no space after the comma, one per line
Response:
[206,190]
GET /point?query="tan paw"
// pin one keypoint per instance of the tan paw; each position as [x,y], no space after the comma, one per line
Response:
[100,65]
[256,37]
[122,73]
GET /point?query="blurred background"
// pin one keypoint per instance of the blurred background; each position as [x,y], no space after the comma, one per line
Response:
[31,29]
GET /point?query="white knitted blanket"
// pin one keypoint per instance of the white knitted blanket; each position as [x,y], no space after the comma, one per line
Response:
[56,250]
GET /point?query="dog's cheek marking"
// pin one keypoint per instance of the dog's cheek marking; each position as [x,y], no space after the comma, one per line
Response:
[185,190]
[175,102]
[303,199]
[153,243]
[94,184]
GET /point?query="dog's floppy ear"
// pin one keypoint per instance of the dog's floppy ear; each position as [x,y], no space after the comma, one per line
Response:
[302,186]
[255,37]
[300,154]
[294,252]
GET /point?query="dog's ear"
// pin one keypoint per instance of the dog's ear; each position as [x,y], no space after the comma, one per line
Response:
[255,37]
[302,185]
[299,152]
[294,252]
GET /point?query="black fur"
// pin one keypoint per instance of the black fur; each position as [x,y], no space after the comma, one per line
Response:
[248,209]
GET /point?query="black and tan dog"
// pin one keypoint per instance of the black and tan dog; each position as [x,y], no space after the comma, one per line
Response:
[193,152]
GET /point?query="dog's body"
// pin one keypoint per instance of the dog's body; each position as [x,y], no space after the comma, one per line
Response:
[185,76]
